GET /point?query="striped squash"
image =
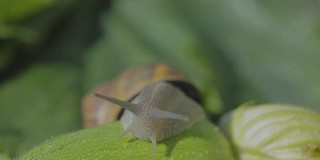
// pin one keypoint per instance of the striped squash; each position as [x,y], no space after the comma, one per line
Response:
[275,132]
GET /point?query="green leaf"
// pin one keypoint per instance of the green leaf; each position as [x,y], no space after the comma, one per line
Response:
[11,11]
[4,157]
[203,141]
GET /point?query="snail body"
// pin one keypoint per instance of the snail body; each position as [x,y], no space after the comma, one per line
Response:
[160,110]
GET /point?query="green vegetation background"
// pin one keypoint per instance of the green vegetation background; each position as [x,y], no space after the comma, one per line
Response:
[53,51]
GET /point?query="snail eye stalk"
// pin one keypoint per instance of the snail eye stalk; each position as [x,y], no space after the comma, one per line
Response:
[134,108]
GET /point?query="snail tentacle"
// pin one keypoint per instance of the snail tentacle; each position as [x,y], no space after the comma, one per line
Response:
[126,131]
[134,108]
[157,113]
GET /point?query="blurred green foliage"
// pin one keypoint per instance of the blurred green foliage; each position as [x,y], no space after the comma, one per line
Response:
[52,52]
[26,27]
[38,104]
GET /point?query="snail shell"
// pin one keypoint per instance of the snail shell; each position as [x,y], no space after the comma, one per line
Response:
[160,111]
[127,86]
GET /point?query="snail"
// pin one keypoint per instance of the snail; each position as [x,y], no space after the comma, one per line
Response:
[126,86]
[163,108]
